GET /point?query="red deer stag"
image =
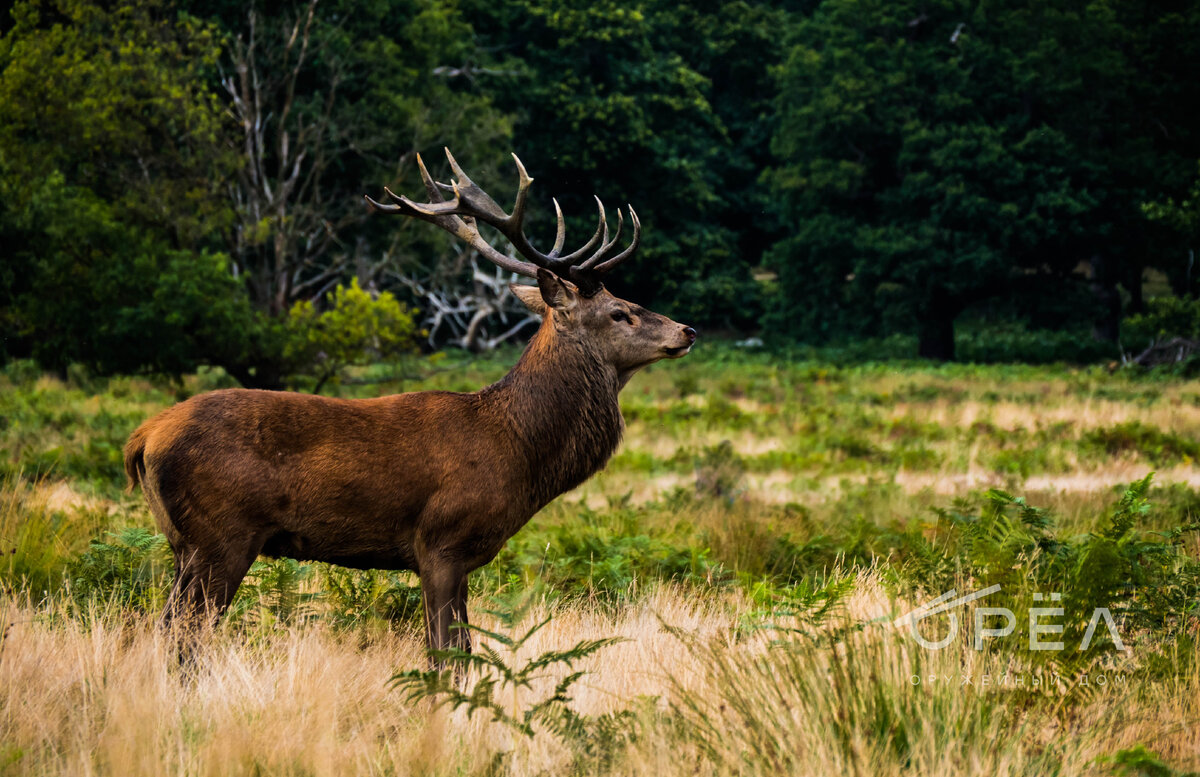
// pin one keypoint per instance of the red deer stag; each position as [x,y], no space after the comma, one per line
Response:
[431,481]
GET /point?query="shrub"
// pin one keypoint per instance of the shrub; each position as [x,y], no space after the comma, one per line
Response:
[355,328]
[272,592]
[356,596]
[1014,343]
[1163,319]
[605,557]
[1145,579]
[1156,446]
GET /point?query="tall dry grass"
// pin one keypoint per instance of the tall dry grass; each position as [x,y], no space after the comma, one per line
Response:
[109,698]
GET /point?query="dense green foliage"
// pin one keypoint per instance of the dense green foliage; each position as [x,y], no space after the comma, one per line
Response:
[110,183]
[1163,318]
[152,221]
[937,157]
[662,105]
[176,176]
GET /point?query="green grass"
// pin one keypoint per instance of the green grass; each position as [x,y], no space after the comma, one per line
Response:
[764,488]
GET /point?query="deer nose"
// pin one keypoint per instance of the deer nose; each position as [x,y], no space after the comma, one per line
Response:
[691,333]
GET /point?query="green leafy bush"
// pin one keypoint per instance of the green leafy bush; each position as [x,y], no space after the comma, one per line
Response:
[355,597]
[355,328]
[1145,579]
[1138,761]
[1163,319]
[273,591]
[605,557]
[999,344]
[801,608]
[1150,443]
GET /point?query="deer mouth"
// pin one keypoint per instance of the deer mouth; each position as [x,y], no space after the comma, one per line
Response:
[675,353]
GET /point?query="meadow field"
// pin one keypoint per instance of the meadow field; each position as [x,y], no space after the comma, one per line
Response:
[720,600]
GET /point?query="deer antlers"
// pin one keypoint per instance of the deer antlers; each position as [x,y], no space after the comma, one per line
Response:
[472,204]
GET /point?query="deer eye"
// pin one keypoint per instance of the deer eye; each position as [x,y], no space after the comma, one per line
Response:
[620,315]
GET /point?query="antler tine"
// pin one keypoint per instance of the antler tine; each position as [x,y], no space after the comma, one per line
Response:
[600,235]
[459,173]
[445,214]
[379,206]
[473,201]
[431,186]
[476,202]
[408,207]
[628,252]
[598,257]
[516,219]
[560,234]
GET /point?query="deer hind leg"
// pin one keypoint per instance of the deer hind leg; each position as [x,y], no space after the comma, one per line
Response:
[204,586]
[205,582]
[179,605]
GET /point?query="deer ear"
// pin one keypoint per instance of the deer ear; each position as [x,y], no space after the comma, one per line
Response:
[530,296]
[556,292]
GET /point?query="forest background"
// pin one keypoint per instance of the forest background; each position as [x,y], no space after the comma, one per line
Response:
[181,182]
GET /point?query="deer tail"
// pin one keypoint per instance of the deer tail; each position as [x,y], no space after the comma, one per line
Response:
[135,451]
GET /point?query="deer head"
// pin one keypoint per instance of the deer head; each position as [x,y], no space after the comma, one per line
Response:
[570,293]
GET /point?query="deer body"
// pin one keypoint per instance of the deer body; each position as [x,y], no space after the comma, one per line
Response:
[434,482]
[355,478]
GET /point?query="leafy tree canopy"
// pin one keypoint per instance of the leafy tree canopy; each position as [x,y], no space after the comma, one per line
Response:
[935,155]
[109,190]
[660,105]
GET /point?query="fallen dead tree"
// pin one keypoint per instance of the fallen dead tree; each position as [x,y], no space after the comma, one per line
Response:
[468,305]
[1172,351]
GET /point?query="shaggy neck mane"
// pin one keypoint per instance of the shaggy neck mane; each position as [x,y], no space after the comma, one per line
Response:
[561,403]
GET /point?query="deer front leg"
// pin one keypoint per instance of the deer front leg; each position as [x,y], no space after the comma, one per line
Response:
[441,583]
[461,636]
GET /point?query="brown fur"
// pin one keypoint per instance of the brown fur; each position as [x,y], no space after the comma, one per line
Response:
[433,481]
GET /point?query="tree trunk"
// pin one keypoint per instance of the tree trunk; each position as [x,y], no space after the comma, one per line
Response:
[936,328]
[1183,281]
[1137,299]
[937,339]
[256,376]
[1107,326]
